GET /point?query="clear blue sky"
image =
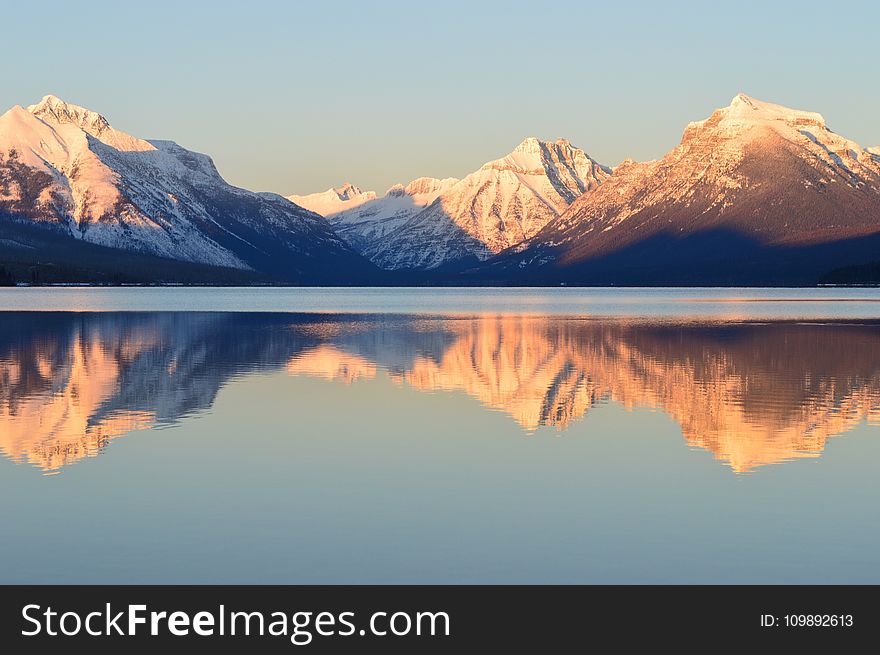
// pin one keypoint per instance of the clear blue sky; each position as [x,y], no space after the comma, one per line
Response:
[296,97]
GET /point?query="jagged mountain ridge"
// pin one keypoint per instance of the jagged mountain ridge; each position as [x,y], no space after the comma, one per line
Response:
[432,223]
[63,167]
[367,225]
[755,193]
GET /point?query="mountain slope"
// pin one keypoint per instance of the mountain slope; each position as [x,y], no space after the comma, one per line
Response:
[756,193]
[366,226]
[434,223]
[64,168]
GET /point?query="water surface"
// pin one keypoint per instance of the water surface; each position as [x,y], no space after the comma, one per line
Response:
[441,444]
[658,303]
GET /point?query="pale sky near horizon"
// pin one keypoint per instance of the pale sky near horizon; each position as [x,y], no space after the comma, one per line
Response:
[297,97]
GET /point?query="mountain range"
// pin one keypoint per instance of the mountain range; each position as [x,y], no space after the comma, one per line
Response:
[431,223]
[755,194]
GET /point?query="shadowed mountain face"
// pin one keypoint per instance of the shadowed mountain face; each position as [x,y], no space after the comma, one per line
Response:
[752,394]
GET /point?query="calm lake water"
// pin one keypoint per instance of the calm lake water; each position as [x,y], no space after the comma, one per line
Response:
[438,436]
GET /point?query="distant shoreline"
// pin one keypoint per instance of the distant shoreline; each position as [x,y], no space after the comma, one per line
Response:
[519,285]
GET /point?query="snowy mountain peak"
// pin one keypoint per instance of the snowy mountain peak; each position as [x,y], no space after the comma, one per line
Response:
[421,186]
[529,145]
[544,158]
[347,191]
[742,99]
[334,200]
[463,221]
[744,107]
[55,111]
[748,115]
[428,185]
[15,113]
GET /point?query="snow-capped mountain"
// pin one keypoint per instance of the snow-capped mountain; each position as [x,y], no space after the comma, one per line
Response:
[756,192]
[65,168]
[335,200]
[432,223]
[366,226]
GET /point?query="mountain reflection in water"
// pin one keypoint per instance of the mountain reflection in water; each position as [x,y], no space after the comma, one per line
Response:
[751,393]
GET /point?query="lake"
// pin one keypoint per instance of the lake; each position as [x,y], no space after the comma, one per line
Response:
[268,435]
